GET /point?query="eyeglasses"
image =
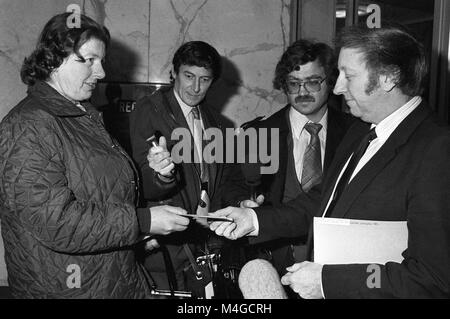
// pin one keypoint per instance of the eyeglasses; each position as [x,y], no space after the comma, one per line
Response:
[293,87]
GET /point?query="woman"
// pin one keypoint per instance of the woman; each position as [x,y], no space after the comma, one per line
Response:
[68,190]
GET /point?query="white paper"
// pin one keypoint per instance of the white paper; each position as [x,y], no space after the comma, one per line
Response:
[352,241]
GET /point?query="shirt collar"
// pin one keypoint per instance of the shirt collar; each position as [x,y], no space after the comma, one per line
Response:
[184,107]
[388,125]
[298,122]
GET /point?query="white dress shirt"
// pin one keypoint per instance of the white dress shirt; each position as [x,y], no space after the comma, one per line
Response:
[186,110]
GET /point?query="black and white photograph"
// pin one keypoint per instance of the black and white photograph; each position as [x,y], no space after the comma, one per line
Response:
[232,157]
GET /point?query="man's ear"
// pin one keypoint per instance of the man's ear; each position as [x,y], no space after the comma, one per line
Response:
[173,75]
[389,81]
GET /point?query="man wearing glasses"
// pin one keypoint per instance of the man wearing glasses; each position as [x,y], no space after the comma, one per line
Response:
[309,133]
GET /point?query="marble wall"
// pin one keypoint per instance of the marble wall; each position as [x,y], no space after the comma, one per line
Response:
[20,24]
[250,35]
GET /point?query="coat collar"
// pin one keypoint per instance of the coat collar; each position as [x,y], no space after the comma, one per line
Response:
[58,105]
[55,103]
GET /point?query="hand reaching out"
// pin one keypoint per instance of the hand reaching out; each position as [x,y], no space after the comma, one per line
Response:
[242,225]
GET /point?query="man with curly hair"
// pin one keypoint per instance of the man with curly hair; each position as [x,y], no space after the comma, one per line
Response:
[309,133]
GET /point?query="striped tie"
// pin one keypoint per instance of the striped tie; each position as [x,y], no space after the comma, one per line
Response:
[312,161]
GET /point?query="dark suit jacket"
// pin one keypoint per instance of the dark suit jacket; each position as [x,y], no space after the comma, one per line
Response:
[408,179]
[161,113]
[272,185]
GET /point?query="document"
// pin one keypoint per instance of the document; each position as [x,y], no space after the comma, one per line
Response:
[353,241]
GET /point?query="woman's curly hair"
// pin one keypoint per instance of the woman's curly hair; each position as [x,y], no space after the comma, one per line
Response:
[56,42]
[301,52]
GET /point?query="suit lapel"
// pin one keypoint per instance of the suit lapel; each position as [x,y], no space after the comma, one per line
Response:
[379,161]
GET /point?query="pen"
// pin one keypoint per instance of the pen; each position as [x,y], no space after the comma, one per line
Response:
[210,218]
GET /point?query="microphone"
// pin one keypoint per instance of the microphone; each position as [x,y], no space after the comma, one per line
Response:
[258,279]
[252,175]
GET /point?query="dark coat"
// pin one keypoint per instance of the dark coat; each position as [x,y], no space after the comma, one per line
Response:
[68,202]
[408,179]
[160,113]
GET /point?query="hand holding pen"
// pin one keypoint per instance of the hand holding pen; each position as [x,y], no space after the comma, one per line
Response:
[159,158]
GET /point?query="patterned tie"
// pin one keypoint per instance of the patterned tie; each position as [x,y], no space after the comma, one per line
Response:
[196,126]
[345,178]
[197,131]
[312,160]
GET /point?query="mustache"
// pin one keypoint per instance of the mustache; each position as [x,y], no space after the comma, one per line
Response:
[304,98]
